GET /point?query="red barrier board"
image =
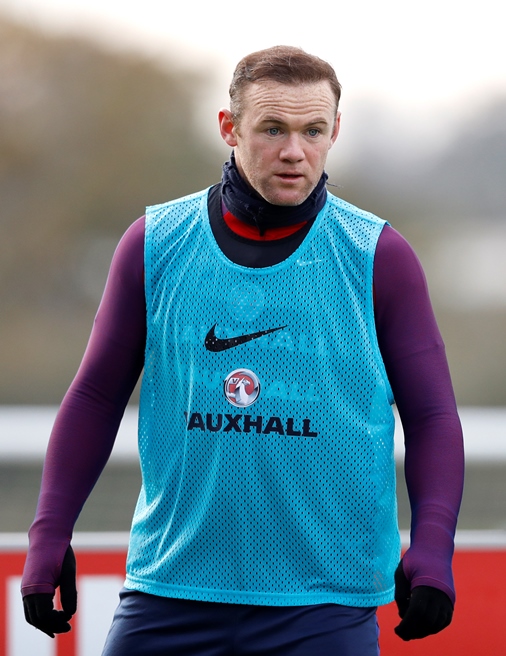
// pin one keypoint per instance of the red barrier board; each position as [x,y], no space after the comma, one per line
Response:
[95,565]
[478,627]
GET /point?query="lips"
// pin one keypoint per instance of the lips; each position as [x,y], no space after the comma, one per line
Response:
[289,176]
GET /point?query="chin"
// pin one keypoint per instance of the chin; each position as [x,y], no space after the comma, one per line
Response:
[294,203]
[284,200]
[289,197]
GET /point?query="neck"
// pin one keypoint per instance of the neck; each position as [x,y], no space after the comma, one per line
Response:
[249,207]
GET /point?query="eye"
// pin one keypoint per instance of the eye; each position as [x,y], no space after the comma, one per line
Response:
[273,132]
[313,132]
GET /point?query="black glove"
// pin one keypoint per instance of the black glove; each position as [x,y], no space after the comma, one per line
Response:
[424,610]
[39,609]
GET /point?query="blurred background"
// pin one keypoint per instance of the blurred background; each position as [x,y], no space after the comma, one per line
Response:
[109,106]
[106,107]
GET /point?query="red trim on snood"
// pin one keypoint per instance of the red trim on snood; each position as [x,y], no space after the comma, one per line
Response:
[252,232]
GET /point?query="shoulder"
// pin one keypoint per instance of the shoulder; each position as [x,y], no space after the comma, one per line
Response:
[136,230]
[400,284]
[395,257]
[133,238]
[393,244]
[170,221]
[154,212]
[346,210]
[128,258]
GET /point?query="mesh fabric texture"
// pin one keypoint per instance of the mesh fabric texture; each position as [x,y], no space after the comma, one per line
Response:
[282,493]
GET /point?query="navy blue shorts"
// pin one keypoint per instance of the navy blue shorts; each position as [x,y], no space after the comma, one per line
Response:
[147,625]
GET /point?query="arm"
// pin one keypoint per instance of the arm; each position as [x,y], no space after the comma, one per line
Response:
[88,420]
[414,356]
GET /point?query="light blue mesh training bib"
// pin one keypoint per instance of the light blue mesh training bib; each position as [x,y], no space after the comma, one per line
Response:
[266,429]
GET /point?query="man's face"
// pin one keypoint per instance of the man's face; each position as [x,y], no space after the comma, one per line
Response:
[282,138]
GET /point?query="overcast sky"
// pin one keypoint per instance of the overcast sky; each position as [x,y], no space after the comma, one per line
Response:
[413,70]
[420,55]
[426,66]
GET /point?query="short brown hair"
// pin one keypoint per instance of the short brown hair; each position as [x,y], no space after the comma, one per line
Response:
[285,64]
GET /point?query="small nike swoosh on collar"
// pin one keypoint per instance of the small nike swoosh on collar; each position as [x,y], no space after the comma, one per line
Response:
[215,344]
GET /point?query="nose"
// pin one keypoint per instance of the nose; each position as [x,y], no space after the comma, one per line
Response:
[292,149]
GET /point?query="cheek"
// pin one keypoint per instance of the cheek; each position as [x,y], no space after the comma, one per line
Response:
[320,157]
[257,160]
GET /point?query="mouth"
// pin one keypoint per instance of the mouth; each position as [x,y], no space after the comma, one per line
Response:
[289,177]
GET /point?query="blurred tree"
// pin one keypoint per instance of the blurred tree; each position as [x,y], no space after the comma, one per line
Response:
[463,179]
[469,179]
[88,138]
[454,195]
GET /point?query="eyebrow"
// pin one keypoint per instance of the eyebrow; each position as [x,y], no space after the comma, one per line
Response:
[275,119]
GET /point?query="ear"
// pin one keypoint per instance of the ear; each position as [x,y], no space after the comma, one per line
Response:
[335,132]
[227,128]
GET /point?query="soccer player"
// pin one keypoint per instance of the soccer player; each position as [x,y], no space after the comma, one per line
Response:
[276,326]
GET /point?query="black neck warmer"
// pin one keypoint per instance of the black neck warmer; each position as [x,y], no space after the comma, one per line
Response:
[248,206]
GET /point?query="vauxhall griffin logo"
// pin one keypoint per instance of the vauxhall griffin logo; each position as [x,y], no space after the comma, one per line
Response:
[242,387]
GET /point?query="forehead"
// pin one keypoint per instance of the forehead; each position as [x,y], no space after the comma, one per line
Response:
[268,99]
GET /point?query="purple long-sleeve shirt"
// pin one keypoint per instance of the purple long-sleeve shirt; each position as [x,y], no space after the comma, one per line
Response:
[413,352]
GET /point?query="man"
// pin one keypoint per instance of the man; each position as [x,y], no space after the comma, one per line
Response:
[275,324]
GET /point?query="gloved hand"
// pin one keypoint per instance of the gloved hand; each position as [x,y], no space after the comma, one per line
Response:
[39,608]
[424,610]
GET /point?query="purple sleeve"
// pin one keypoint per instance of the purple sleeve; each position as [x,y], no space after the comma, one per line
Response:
[88,420]
[414,357]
